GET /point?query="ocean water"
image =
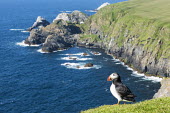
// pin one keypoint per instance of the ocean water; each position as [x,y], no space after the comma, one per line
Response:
[34,82]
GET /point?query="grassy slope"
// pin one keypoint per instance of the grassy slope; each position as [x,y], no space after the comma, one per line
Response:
[160,105]
[147,21]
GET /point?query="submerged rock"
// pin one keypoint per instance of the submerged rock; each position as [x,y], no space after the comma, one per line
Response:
[85,54]
[40,22]
[95,53]
[75,17]
[72,58]
[88,65]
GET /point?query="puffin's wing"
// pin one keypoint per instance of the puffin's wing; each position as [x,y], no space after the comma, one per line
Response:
[124,90]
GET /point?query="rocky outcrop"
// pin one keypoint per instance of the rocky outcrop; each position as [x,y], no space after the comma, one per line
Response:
[164,91]
[40,22]
[58,35]
[54,42]
[75,17]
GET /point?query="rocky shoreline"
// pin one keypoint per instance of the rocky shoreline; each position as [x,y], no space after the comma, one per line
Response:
[66,31]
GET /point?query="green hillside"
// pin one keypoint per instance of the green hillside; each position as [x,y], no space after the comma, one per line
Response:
[151,9]
[148,21]
[143,24]
[160,105]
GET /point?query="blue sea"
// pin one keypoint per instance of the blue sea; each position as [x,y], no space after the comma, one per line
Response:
[34,82]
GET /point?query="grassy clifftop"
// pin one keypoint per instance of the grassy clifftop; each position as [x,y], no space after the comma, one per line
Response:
[142,22]
[160,105]
[136,31]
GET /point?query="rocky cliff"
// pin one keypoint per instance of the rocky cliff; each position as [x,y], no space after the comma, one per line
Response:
[164,91]
[143,42]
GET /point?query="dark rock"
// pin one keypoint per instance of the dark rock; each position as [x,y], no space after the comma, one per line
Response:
[72,58]
[54,43]
[59,28]
[95,53]
[78,67]
[85,54]
[36,37]
[88,65]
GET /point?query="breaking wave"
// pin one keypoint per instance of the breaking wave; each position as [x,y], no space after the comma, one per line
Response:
[76,58]
[16,29]
[22,44]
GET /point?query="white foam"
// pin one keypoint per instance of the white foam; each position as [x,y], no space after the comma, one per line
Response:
[40,51]
[118,63]
[136,74]
[76,58]
[116,60]
[25,31]
[154,79]
[144,77]
[22,44]
[128,68]
[76,54]
[26,45]
[16,29]
[60,50]
[79,66]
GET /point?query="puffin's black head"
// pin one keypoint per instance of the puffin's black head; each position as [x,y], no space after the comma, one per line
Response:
[113,76]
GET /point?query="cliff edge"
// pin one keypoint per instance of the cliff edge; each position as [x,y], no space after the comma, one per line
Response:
[135,31]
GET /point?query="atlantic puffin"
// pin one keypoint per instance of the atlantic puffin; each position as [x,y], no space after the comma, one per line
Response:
[119,90]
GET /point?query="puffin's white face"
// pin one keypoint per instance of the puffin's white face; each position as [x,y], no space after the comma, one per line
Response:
[112,76]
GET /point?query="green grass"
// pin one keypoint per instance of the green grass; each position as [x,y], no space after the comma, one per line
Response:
[161,105]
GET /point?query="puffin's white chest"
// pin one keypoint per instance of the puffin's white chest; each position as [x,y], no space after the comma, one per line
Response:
[114,92]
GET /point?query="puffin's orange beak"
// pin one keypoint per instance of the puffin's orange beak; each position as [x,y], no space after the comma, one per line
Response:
[109,79]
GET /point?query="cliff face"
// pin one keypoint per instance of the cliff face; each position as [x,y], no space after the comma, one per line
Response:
[164,91]
[142,42]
